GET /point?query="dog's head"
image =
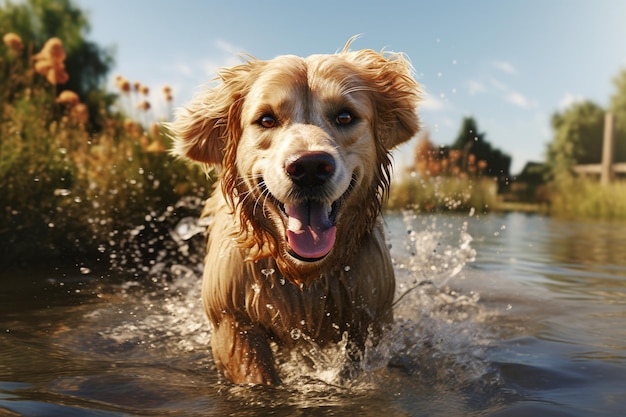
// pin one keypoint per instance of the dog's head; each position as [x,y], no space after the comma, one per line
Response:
[303,145]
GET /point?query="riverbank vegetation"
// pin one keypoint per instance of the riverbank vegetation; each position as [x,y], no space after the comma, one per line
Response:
[471,175]
[76,170]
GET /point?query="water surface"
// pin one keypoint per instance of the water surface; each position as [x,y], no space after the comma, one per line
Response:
[497,315]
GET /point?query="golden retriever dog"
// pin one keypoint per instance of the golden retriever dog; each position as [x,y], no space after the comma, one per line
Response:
[296,249]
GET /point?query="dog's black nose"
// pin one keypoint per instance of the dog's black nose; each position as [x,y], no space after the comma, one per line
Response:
[310,169]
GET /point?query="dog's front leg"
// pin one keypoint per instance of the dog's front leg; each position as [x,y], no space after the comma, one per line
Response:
[243,354]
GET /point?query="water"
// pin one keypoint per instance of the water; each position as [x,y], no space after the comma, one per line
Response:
[498,315]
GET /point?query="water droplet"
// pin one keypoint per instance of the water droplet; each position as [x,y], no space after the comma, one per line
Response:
[84,270]
[267,272]
[186,229]
[346,268]
[269,306]
[63,192]
[296,334]
[256,288]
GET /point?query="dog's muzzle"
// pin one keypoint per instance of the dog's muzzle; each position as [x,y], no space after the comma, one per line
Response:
[311,229]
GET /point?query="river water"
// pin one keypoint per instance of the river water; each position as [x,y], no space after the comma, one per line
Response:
[496,315]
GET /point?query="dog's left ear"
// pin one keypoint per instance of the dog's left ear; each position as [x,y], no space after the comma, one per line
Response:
[396,93]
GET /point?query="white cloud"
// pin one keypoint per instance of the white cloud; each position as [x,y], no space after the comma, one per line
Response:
[569,99]
[511,96]
[227,47]
[498,85]
[228,55]
[431,102]
[505,67]
[476,87]
[519,100]
[184,69]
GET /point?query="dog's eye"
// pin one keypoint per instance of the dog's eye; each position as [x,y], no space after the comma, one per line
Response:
[344,118]
[267,121]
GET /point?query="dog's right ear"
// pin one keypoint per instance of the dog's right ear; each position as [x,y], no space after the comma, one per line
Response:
[201,130]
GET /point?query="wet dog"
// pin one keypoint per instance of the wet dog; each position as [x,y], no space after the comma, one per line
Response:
[296,243]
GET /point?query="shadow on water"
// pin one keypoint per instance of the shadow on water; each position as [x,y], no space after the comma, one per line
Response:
[485,325]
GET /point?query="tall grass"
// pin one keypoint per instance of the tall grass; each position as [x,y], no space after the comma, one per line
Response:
[443,193]
[586,198]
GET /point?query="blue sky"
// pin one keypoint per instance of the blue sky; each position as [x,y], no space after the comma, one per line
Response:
[509,64]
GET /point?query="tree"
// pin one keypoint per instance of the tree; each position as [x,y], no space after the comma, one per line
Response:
[577,139]
[470,141]
[36,21]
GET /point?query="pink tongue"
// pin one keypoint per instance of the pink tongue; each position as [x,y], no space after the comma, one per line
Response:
[310,232]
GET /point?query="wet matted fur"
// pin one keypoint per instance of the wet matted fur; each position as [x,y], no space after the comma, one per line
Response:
[296,241]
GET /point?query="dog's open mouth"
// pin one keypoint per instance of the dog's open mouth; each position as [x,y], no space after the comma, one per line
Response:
[310,224]
[311,229]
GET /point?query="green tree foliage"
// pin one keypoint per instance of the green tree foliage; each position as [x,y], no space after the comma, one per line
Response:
[471,141]
[577,139]
[36,21]
[579,132]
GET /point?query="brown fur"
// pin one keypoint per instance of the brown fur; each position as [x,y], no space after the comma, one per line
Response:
[255,291]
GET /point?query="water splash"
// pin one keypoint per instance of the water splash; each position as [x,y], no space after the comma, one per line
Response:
[173,237]
[438,336]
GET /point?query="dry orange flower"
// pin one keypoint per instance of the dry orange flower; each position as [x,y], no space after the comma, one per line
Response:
[13,41]
[123,84]
[68,97]
[144,90]
[80,113]
[156,147]
[43,66]
[53,49]
[49,62]
[154,130]
[129,125]
[132,128]
[57,76]
[144,105]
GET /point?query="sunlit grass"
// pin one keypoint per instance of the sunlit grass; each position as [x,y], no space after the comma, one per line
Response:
[587,198]
[443,193]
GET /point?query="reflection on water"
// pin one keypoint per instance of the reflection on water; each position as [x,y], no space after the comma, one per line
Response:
[501,315]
